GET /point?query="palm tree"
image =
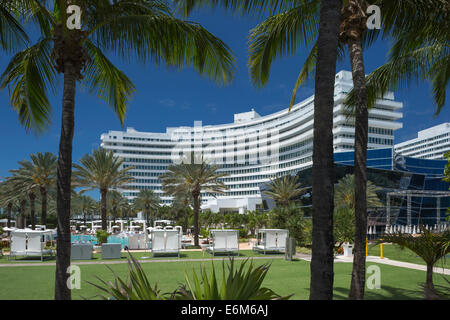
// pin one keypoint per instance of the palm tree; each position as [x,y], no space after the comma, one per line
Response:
[37,176]
[195,176]
[431,247]
[12,34]
[115,200]
[84,205]
[285,190]
[143,28]
[344,193]
[182,202]
[419,50]
[102,170]
[147,201]
[297,24]
[6,200]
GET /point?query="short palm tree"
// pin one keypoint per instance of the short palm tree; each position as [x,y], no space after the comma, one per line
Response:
[285,190]
[103,171]
[344,193]
[115,201]
[147,202]
[7,200]
[83,204]
[197,177]
[145,30]
[430,246]
[182,202]
[37,176]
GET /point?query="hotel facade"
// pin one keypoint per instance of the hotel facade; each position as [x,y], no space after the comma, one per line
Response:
[251,150]
[431,143]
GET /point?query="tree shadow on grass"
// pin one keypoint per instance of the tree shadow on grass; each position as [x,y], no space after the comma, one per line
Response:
[384,293]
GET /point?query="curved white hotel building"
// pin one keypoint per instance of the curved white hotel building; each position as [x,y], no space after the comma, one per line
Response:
[251,150]
[431,143]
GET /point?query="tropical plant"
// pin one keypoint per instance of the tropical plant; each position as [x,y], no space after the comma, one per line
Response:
[182,202]
[344,225]
[147,201]
[37,176]
[419,51]
[12,33]
[137,287]
[344,193]
[196,176]
[144,29]
[84,205]
[430,246]
[237,284]
[285,190]
[102,170]
[256,220]
[289,217]
[115,201]
[102,236]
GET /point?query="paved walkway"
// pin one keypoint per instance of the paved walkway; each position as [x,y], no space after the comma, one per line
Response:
[386,261]
[41,264]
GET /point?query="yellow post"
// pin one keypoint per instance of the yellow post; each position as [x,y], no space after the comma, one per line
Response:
[381,249]
[367,243]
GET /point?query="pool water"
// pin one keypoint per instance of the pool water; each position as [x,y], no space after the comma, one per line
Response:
[77,238]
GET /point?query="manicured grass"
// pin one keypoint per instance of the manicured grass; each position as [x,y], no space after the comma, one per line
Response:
[394,252]
[284,277]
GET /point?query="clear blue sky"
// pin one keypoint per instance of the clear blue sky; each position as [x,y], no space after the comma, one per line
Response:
[173,98]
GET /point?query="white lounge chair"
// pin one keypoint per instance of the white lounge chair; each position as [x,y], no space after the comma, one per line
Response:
[271,240]
[224,241]
[29,243]
[165,242]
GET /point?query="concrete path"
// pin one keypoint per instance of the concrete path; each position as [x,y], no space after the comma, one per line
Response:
[42,264]
[386,261]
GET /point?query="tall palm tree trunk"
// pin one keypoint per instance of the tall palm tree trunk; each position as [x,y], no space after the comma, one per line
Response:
[43,206]
[196,197]
[22,219]
[322,275]
[64,174]
[9,210]
[429,292]
[354,26]
[361,133]
[103,195]
[32,197]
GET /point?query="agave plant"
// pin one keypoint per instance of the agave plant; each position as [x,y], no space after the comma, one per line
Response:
[137,287]
[240,284]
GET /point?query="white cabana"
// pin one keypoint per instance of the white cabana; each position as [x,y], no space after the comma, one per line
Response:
[165,242]
[137,241]
[224,241]
[270,240]
[29,243]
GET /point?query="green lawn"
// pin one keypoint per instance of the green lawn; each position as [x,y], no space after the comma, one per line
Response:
[394,252]
[284,277]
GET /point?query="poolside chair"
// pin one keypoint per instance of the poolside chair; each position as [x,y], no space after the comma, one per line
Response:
[18,244]
[165,242]
[29,243]
[224,241]
[272,240]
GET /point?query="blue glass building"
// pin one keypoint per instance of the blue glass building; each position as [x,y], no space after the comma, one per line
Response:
[391,173]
